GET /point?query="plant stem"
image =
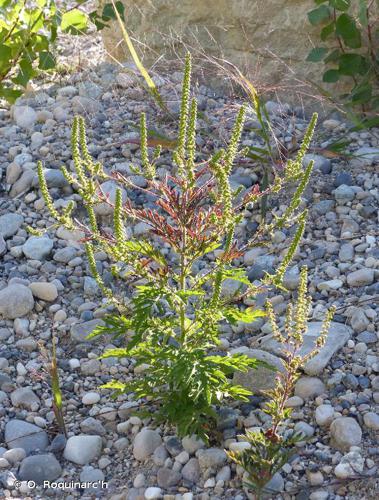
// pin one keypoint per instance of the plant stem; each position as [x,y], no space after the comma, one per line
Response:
[371,43]
[218,280]
[182,283]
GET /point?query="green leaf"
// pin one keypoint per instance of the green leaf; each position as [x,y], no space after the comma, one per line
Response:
[34,19]
[117,386]
[46,60]
[97,20]
[362,13]
[256,157]
[331,76]
[5,56]
[340,4]
[317,54]
[319,15]
[147,298]
[113,325]
[183,294]
[74,22]
[115,353]
[145,248]
[232,314]
[333,56]
[361,94]
[211,247]
[347,29]
[327,31]
[339,146]
[352,64]
[40,43]
[236,274]
[5,53]
[366,124]
[109,13]
[25,73]
[260,154]
[10,94]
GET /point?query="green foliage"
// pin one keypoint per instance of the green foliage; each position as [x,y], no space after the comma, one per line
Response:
[269,450]
[170,325]
[264,458]
[185,382]
[348,30]
[266,156]
[28,32]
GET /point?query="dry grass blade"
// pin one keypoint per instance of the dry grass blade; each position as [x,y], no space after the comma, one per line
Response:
[141,68]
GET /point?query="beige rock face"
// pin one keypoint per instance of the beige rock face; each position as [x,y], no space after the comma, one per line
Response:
[253,34]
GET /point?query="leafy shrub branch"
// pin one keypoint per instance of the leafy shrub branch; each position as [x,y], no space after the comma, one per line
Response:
[169,328]
[28,33]
[350,40]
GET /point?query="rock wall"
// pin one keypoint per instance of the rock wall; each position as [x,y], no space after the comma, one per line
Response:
[265,37]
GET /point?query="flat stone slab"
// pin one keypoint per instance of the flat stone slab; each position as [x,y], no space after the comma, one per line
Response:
[261,379]
[40,468]
[21,434]
[337,337]
[79,331]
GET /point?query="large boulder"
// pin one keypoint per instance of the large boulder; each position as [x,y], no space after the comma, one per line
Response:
[145,442]
[40,468]
[345,432]
[37,248]
[15,301]
[10,224]
[21,434]
[337,337]
[83,449]
[263,377]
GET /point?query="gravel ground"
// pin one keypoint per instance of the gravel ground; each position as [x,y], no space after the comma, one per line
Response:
[45,286]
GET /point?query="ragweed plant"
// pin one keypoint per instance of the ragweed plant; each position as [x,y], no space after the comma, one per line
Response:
[271,449]
[169,327]
[54,383]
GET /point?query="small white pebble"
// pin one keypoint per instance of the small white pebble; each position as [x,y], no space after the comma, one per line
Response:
[153,492]
[135,421]
[60,316]
[104,462]
[182,458]
[139,481]
[74,363]
[91,398]
[361,347]
[210,483]
[41,422]
[21,370]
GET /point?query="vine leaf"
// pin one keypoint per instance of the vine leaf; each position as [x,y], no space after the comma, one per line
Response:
[317,54]
[347,29]
[319,15]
